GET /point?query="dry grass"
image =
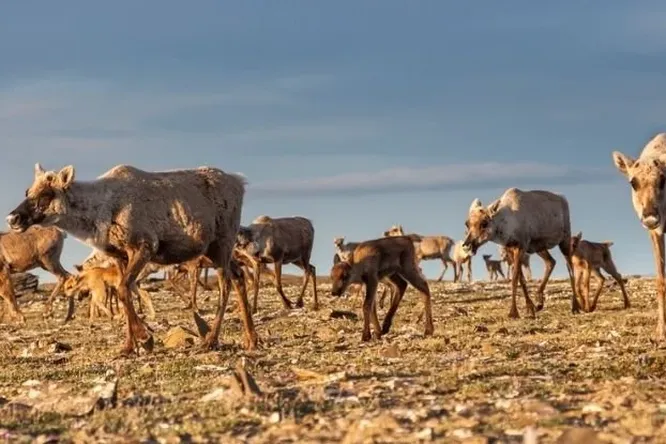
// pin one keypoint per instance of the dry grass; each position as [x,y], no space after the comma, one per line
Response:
[481,378]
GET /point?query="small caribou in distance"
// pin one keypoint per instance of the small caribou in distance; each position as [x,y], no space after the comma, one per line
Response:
[428,247]
[138,217]
[494,267]
[507,257]
[20,252]
[525,222]
[647,177]
[587,258]
[461,256]
[280,241]
[389,257]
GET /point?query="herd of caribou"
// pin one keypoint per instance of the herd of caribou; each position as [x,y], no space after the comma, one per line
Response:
[181,221]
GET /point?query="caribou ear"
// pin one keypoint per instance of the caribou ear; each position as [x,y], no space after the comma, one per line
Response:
[39,171]
[476,203]
[493,207]
[66,176]
[622,162]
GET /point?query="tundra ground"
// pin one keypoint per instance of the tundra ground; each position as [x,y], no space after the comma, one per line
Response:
[480,378]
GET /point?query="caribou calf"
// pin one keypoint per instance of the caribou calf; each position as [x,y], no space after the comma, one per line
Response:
[389,257]
[587,258]
[494,267]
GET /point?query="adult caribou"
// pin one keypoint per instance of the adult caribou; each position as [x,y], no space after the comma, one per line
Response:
[138,217]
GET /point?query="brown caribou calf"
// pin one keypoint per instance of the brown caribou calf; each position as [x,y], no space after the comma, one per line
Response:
[588,258]
[494,267]
[21,252]
[389,257]
[97,280]
[343,252]
[93,280]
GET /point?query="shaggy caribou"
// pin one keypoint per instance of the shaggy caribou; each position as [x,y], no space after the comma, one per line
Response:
[388,257]
[525,222]
[647,176]
[280,241]
[139,217]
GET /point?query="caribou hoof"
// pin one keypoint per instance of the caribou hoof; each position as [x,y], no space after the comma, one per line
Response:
[210,342]
[148,344]
[126,352]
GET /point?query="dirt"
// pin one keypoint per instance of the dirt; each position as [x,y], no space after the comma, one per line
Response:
[481,378]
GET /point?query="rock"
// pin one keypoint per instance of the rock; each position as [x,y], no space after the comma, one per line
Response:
[426,434]
[579,436]
[462,433]
[24,283]
[392,351]
[343,314]
[275,418]
[53,398]
[216,395]
[107,395]
[530,436]
[541,408]
[210,368]
[179,336]
[593,408]
[639,425]
[59,347]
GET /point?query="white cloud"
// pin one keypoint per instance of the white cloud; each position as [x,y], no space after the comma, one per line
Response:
[442,176]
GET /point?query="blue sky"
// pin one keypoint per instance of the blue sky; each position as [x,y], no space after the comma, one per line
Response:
[357,115]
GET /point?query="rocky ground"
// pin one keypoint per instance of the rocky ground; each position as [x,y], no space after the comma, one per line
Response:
[481,378]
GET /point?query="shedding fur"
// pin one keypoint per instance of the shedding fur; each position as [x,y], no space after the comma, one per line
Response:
[139,217]
[281,241]
[525,222]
